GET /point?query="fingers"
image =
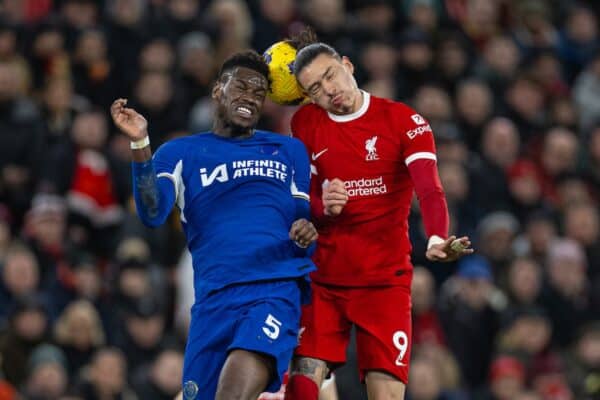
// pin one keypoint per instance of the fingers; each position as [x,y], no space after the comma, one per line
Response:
[436,254]
[303,232]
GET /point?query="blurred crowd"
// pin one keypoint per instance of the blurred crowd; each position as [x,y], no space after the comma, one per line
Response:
[95,306]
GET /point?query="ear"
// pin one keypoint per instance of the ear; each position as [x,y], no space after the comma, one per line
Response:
[217,90]
[348,64]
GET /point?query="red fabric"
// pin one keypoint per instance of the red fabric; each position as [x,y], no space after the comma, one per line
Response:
[92,179]
[301,387]
[383,343]
[368,243]
[427,329]
[434,209]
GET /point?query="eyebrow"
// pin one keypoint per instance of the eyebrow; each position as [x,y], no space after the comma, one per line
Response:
[311,87]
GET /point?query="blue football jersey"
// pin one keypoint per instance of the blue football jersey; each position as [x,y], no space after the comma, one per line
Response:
[237,200]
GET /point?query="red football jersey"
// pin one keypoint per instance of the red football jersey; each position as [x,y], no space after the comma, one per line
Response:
[370,150]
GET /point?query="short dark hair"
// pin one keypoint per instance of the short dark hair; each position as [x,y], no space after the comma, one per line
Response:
[247,59]
[308,53]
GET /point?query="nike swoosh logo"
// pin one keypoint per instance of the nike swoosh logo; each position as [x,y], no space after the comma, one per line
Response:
[319,154]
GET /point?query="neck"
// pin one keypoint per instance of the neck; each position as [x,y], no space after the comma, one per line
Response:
[228,130]
[358,100]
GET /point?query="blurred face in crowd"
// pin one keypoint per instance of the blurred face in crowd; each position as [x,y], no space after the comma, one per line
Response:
[527,396]
[582,223]
[474,102]
[278,11]
[379,60]
[563,112]
[197,61]
[483,13]
[154,90]
[567,275]
[326,15]
[20,273]
[8,42]
[594,145]
[30,325]
[48,43]
[91,47]
[559,152]
[475,292]
[506,387]
[134,283]
[330,84]
[82,322]
[572,190]
[526,98]
[582,26]
[146,331]
[87,282]
[416,55]
[90,130]
[452,58]
[424,382]
[422,290]
[127,12]
[157,56]
[588,349]
[454,181]
[8,84]
[524,280]
[48,381]
[80,14]
[433,103]
[423,15]
[502,56]
[534,333]
[548,70]
[377,16]
[500,142]
[58,95]
[540,234]
[167,372]
[183,9]
[108,372]
[526,188]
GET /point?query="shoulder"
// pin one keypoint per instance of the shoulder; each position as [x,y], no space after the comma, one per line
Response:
[305,117]
[280,138]
[180,145]
[397,109]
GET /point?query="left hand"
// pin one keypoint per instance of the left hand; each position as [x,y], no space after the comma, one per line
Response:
[446,252]
[303,232]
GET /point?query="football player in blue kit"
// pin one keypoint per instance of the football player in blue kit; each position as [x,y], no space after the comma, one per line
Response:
[242,196]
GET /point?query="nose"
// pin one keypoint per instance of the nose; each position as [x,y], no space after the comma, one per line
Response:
[328,88]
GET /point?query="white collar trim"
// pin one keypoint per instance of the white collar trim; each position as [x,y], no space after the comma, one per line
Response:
[355,115]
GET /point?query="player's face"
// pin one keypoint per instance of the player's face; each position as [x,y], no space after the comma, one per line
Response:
[241,97]
[330,84]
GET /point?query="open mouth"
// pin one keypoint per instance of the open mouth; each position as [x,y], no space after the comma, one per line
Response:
[244,111]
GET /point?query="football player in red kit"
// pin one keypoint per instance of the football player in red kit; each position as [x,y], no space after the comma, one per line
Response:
[368,154]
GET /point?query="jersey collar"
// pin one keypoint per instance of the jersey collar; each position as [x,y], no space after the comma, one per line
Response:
[355,115]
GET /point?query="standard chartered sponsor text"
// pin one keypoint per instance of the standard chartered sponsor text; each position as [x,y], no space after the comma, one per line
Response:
[365,187]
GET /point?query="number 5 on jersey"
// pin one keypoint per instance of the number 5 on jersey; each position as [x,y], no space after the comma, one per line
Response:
[272,326]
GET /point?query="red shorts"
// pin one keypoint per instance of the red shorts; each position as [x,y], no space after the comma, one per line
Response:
[383,327]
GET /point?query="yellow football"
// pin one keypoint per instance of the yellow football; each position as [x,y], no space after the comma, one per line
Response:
[284,89]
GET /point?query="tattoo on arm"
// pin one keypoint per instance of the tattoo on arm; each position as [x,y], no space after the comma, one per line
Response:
[148,189]
[316,369]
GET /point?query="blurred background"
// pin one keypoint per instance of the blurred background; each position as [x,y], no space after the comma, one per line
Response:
[95,306]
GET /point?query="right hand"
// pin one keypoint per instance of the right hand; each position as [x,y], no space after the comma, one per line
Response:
[334,197]
[129,121]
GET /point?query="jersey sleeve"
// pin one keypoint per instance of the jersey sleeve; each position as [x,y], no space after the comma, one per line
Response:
[301,126]
[416,137]
[418,153]
[157,184]
[300,182]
